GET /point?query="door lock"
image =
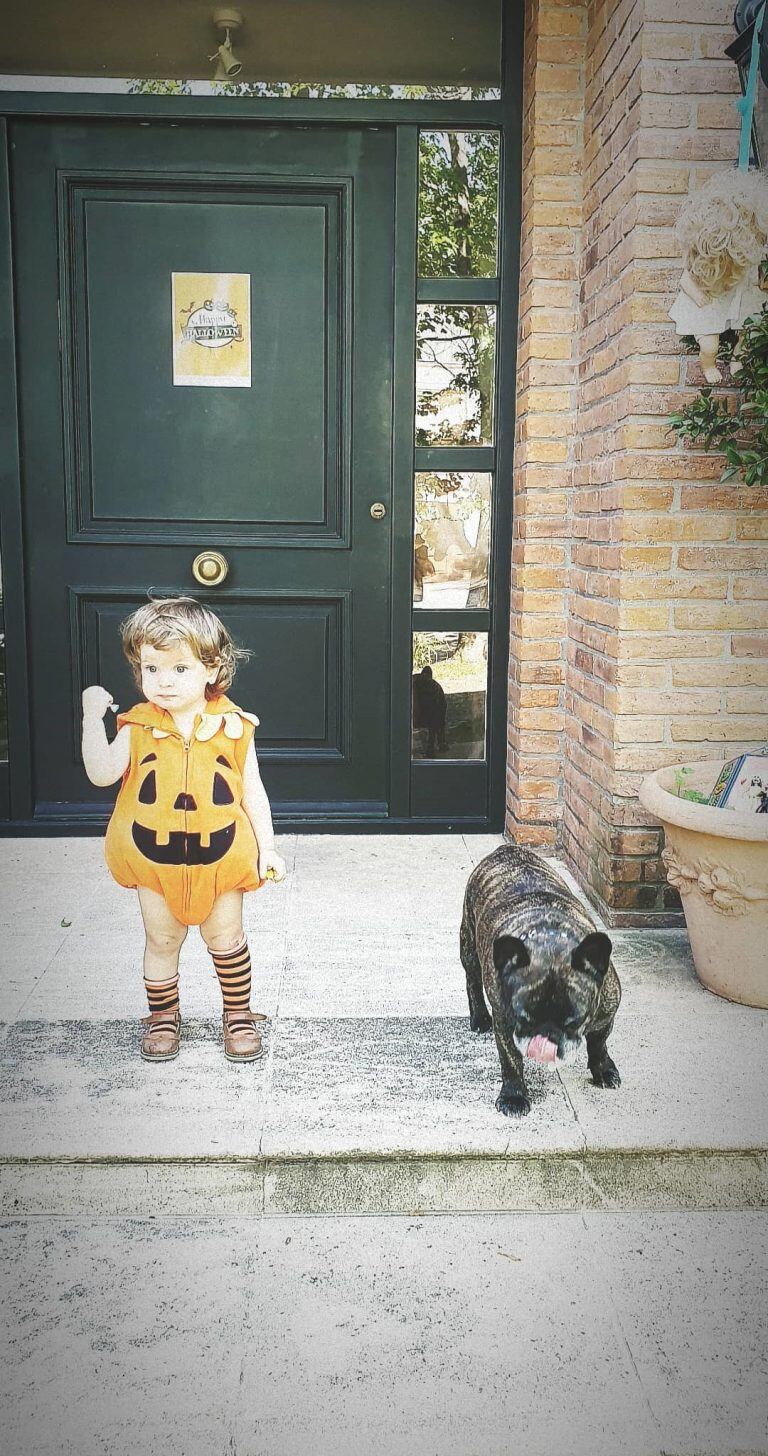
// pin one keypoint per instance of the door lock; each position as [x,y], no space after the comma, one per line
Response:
[210,568]
[378,510]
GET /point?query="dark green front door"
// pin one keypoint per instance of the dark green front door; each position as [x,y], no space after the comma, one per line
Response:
[128,475]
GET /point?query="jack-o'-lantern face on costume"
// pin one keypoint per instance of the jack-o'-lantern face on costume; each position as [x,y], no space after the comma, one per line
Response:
[179,826]
[159,789]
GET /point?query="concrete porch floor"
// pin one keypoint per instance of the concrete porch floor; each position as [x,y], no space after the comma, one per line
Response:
[373,1094]
[185,1265]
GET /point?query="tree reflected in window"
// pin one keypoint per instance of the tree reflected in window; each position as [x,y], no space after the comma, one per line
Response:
[458,204]
[455,357]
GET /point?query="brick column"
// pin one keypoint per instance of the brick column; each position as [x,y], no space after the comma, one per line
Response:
[553,140]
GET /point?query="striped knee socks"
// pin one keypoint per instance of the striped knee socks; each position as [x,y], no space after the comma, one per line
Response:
[233,968]
[163,995]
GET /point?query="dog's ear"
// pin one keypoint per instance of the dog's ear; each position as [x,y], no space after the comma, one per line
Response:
[593,955]
[509,954]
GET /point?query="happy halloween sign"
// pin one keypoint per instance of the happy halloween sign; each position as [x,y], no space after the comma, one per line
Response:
[212,329]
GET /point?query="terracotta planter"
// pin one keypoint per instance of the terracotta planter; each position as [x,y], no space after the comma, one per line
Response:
[718,860]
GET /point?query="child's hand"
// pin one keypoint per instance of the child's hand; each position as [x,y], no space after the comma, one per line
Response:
[271,865]
[96,701]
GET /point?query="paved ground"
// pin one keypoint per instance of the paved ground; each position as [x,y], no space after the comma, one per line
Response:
[165,1290]
[478,1335]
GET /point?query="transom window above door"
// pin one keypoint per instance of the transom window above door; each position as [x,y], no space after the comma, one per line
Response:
[309,49]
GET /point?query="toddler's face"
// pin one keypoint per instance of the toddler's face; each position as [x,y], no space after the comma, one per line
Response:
[173,678]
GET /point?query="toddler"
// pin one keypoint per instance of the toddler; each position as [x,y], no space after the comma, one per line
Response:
[191,830]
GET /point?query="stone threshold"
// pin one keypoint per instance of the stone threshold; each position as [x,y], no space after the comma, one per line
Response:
[618,1180]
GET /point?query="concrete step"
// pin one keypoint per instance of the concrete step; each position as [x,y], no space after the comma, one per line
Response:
[627,1180]
[374,1114]
[373,1094]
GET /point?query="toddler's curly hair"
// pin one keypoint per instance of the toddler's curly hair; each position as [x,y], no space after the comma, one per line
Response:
[164,621]
[723,228]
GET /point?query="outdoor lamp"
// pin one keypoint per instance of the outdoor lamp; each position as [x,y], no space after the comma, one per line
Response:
[227,63]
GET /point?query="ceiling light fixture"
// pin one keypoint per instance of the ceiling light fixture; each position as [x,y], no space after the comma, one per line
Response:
[227,63]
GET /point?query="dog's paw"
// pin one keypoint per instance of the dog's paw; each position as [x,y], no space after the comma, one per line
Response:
[606,1075]
[513,1104]
[481,1021]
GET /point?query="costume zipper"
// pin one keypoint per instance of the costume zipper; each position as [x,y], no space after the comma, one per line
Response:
[186,744]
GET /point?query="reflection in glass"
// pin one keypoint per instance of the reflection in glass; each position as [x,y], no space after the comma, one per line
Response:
[358,91]
[458,203]
[288,90]
[449,683]
[455,347]
[452,539]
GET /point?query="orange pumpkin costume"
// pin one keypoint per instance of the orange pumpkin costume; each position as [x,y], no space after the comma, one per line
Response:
[178,825]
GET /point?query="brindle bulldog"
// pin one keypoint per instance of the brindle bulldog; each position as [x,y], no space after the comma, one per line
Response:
[529,943]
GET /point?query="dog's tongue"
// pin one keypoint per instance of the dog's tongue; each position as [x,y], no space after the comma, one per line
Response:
[540,1049]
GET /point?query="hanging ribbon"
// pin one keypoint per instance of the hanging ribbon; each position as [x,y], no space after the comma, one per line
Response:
[746,103]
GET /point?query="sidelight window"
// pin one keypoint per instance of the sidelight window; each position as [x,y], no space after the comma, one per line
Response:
[455,442]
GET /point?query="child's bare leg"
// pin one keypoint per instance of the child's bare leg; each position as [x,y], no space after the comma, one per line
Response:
[165,936]
[223,930]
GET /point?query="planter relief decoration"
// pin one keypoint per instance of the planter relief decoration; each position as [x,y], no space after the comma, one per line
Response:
[725,890]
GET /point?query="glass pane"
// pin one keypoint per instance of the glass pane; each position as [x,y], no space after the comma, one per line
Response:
[458,203]
[455,351]
[287,90]
[452,539]
[450,675]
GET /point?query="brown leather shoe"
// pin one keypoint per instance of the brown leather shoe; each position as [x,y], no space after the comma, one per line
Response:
[242,1042]
[160,1042]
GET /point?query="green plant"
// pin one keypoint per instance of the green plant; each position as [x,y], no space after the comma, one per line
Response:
[737,426]
[682,790]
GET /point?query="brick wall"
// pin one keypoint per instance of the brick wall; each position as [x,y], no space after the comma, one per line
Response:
[553,146]
[642,578]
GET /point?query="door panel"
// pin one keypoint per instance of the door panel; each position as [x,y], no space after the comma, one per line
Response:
[127,476]
[280,444]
